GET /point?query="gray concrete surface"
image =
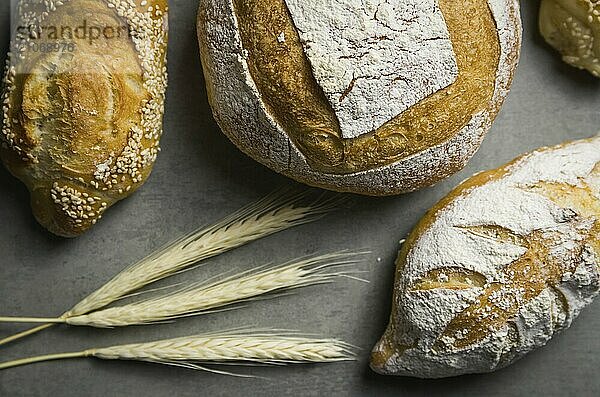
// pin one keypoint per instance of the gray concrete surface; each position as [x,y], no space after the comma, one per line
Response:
[200,177]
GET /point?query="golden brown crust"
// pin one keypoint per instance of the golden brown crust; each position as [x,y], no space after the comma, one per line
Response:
[82,126]
[284,77]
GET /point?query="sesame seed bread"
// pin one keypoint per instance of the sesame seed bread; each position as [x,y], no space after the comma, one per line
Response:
[573,28]
[498,267]
[82,109]
[376,97]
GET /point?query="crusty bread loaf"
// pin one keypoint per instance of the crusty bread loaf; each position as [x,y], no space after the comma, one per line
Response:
[498,267]
[377,97]
[83,104]
[573,28]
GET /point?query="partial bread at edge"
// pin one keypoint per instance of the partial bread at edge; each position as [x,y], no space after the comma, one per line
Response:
[82,117]
[498,267]
[572,27]
[278,102]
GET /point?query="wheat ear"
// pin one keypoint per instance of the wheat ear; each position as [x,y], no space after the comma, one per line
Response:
[276,212]
[236,348]
[270,215]
[198,299]
[202,298]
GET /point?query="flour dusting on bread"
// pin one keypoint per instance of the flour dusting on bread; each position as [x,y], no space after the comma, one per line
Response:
[499,269]
[374,59]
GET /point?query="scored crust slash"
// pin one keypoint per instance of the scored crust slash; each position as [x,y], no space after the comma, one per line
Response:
[299,105]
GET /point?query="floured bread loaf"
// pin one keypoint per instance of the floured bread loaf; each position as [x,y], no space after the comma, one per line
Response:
[573,28]
[374,97]
[498,267]
[82,104]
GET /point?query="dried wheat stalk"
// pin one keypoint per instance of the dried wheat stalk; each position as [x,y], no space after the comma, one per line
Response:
[270,215]
[237,348]
[274,213]
[201,298]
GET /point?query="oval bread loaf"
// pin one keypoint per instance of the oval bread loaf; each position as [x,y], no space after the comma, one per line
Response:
[498,267]
[376,97]
[83,104]
[573,28]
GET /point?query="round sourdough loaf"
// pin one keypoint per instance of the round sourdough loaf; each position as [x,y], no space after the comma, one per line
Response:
[498,267]
[376,97]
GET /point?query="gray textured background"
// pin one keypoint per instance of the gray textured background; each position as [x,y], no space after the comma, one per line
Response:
[201,177]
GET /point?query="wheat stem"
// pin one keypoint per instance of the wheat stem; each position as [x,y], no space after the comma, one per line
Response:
[236,348]
[39,359]
[26,333]
[31,320]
